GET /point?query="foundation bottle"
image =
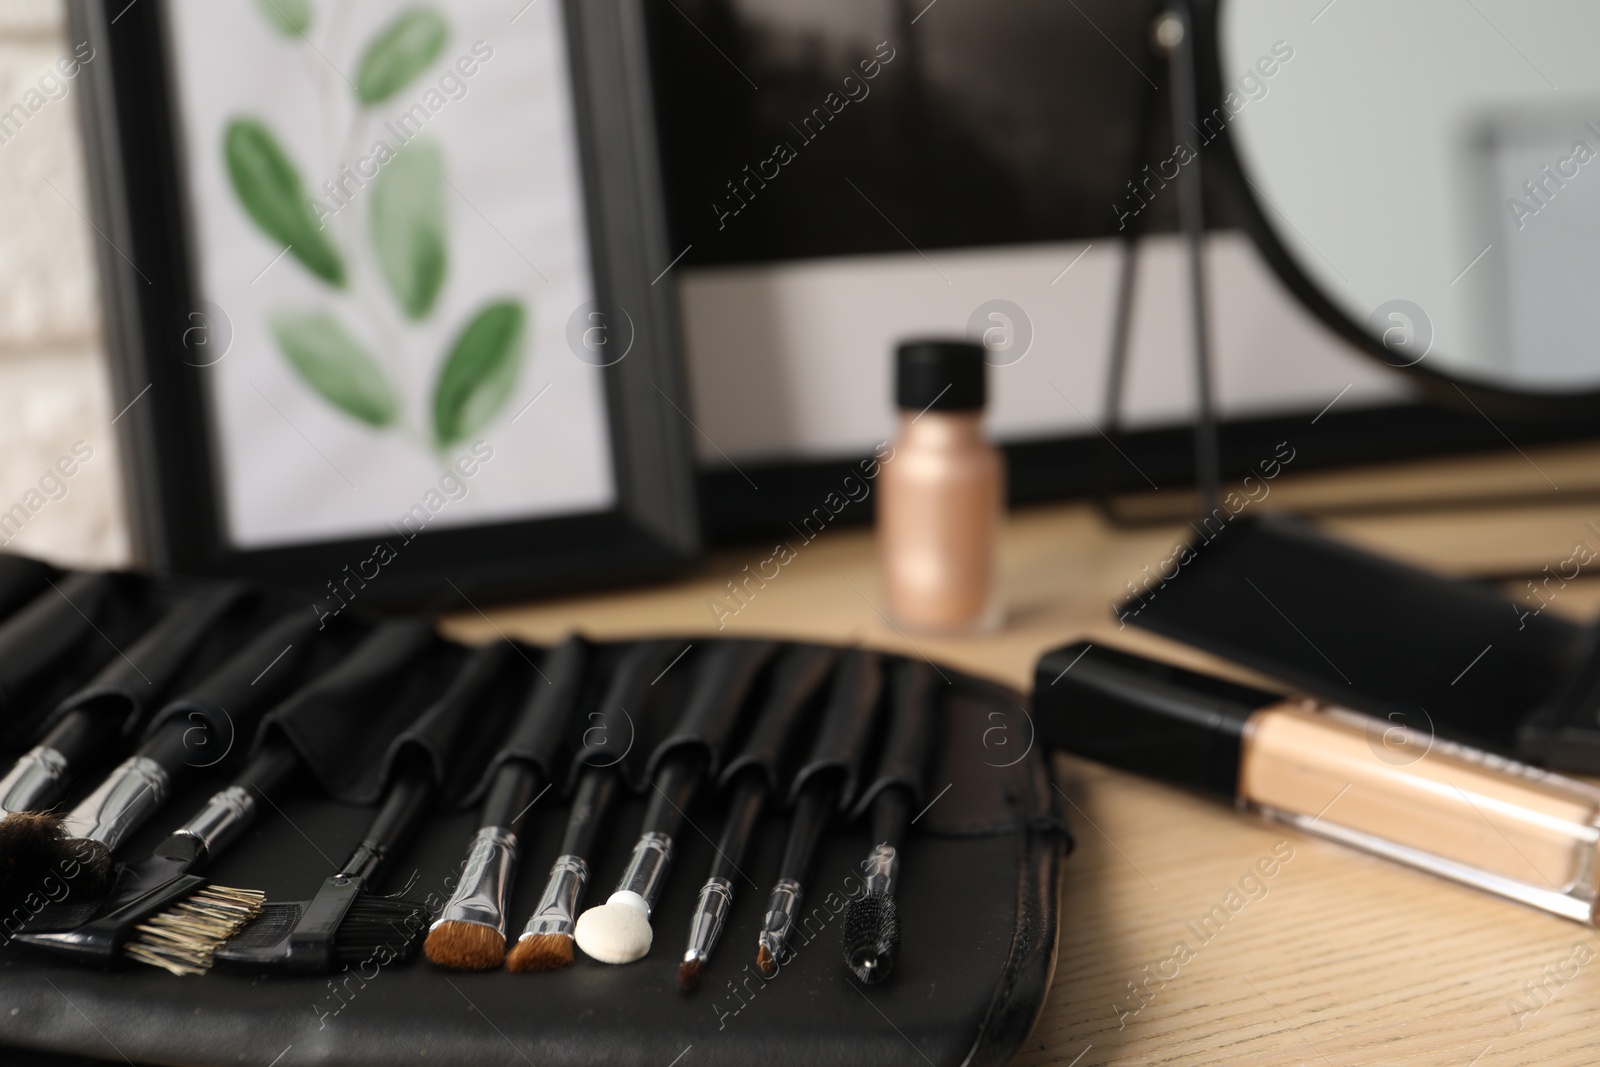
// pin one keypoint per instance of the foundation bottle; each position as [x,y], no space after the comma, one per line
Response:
[940,494]
[1460,813]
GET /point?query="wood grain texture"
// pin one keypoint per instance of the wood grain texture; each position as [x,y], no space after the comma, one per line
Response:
[1337,958]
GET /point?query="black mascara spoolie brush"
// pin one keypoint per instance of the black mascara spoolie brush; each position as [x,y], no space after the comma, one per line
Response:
[751,779]
[826,782]
[346,923]
[606,752]
[872,920]
[470,932]
[619,930]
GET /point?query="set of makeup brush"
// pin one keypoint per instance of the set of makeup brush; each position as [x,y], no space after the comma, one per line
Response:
[389,715]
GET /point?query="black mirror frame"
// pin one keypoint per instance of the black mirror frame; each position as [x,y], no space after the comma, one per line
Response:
[172,487]
[1577,410]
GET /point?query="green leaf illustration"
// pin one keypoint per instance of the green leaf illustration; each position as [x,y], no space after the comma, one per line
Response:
[480,372]
[407,223]
[291,17]
[401,52]
[269,187]
[335,365]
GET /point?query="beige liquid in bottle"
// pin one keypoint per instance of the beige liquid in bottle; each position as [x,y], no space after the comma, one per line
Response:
[941,494]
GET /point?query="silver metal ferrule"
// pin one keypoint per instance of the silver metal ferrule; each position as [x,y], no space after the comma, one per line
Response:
[716,900]
[881,870]
[557,912]
[481,896]
[222,820]
[34,782]
[128,796]
[782,907]
[647,870]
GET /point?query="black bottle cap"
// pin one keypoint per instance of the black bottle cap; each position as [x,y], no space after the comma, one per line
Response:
[1145,716]
[935,375]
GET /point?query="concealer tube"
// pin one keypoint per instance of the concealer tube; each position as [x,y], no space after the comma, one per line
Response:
[1453,811]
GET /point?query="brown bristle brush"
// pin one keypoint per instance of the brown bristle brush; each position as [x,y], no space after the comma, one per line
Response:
[470,932]
[546,941]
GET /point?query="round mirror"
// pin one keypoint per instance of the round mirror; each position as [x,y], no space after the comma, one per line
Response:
[1427,175]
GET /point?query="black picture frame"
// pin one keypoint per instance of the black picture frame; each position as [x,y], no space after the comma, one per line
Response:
[170,469]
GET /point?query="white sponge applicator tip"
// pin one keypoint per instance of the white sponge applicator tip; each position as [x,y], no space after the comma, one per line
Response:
[614,932]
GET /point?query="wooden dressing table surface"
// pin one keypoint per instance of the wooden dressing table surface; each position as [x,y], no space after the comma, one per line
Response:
[1338,958]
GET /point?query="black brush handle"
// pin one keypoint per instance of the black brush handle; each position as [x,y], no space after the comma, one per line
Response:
[516,785]
[596,789]
[672,791]
[891,816]
[80,735]
[403,807]
[812,809]
[744,812]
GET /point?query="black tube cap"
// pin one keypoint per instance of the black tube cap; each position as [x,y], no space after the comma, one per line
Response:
[1145,716]
[934,375]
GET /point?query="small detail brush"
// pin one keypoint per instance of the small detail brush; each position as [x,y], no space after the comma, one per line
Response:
[751,779]
[618,931]
[716,896]
[470,932]
[816,803]
[546,941]
[872,920]
[825,782]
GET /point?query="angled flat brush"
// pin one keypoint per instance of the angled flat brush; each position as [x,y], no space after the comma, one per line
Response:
[872,920]
[826,782]
[470,932]
[750,780]
[546,940]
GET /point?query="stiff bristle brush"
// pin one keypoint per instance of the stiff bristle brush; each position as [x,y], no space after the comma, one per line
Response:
[871,919]
[470,932]
[750,780]
[619,930]
[605,752]
[824,784]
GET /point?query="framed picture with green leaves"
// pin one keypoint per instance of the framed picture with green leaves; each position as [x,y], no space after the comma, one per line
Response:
[388,294]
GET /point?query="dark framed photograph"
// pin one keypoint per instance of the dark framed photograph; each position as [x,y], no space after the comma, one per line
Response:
[381,282]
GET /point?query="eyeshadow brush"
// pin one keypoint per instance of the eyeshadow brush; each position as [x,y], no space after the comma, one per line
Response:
[752,778]
[470,932]
[826,782]
[546,941]
[872,920]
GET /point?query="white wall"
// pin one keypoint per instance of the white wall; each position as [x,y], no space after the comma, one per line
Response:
[794,359]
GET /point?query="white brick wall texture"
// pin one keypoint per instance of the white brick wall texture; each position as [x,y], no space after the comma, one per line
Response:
[54,390]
